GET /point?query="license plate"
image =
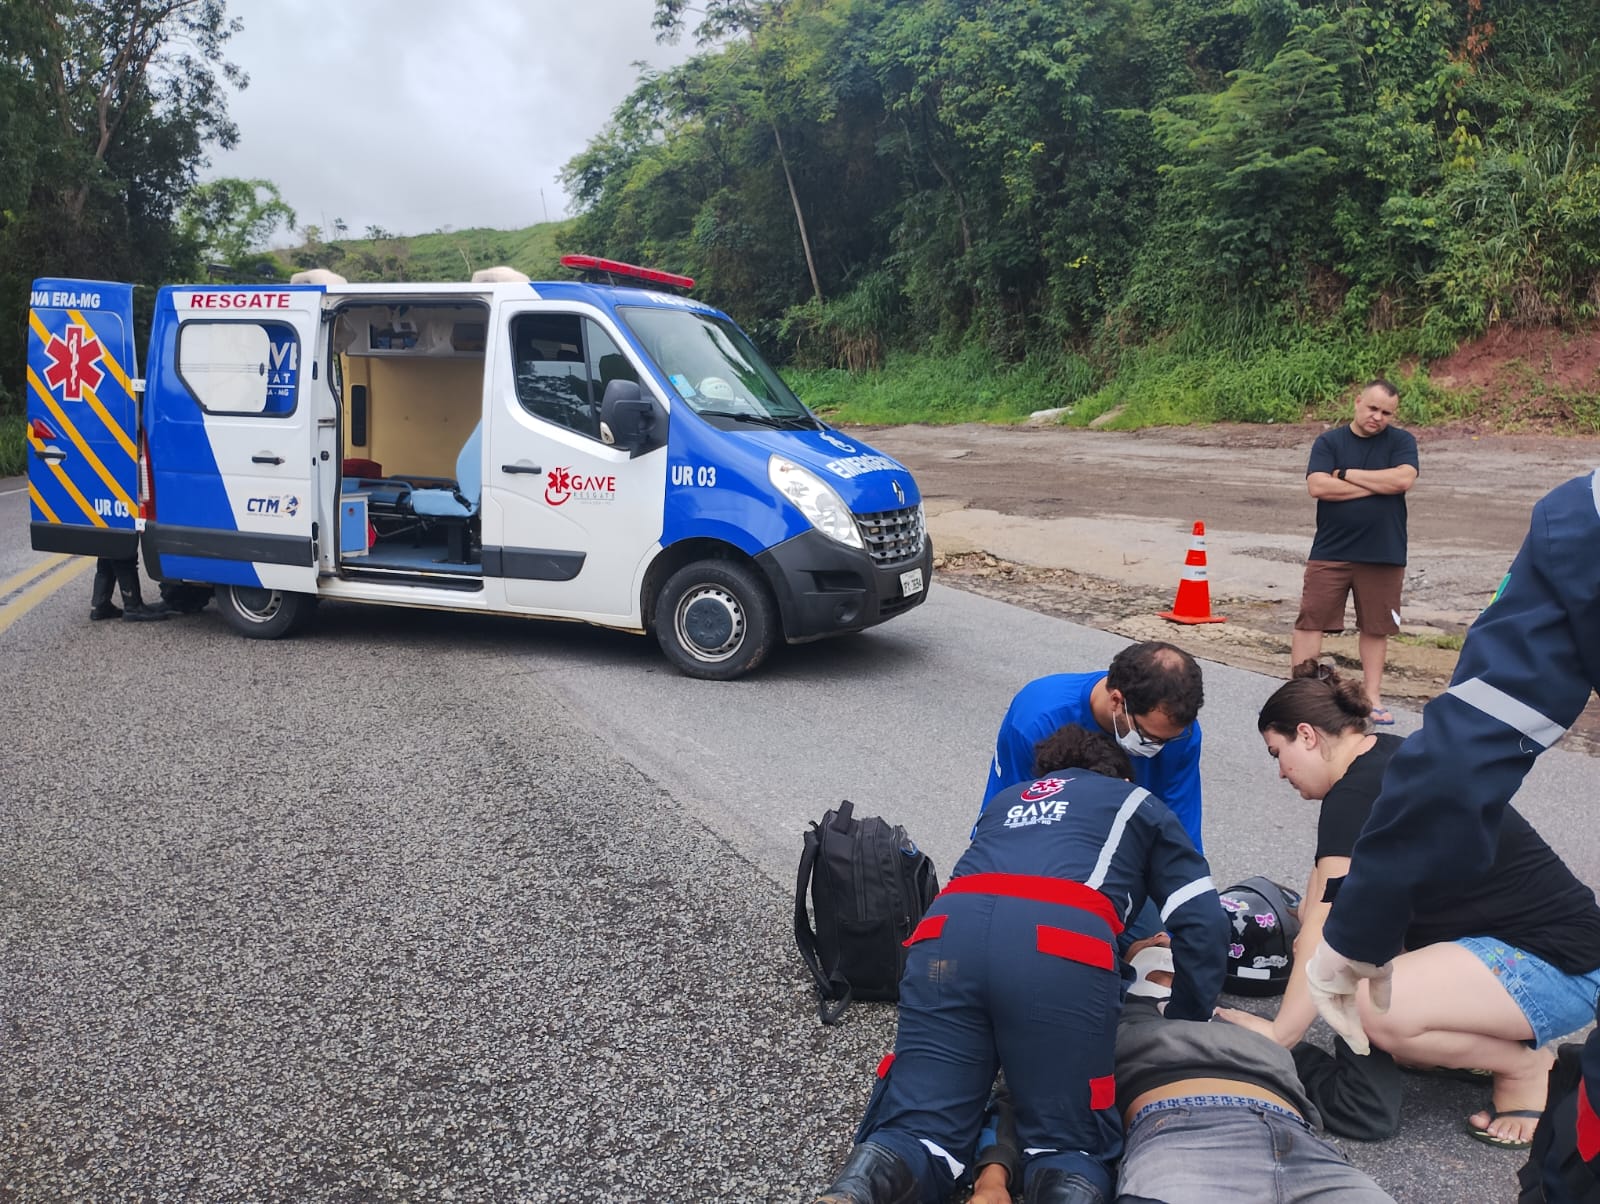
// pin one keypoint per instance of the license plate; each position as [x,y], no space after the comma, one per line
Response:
[911,583]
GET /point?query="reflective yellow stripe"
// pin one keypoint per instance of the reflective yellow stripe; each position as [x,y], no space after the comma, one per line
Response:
[111,364]
[111,423]
[33,495]
[18,580]
[78,441]
[36,594]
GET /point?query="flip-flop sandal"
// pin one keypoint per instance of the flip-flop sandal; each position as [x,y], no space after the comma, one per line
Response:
[1381,716]
[1502,1143]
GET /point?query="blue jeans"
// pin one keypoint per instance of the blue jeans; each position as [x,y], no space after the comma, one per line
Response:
[1556,1003]
[1205,1154]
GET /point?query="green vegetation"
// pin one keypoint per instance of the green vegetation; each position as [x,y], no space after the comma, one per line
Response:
[13,448]
[442,255]
[1190,211]
[1183,212]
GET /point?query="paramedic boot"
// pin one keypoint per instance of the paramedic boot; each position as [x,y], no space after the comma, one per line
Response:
[872,1175]
[1055,1186]
[134,609]
[138,612]
[100,604]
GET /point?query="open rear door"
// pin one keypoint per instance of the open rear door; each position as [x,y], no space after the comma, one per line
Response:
[229,434]
[82,418]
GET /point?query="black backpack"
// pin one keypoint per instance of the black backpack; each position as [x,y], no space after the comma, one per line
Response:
[869,884]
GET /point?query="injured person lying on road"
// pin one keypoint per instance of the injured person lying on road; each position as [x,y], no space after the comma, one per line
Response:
[1213,1112]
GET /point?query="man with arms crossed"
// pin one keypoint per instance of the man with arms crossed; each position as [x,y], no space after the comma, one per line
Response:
[1359,475]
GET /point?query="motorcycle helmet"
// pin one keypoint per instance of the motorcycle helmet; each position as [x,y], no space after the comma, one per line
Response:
[1262,926]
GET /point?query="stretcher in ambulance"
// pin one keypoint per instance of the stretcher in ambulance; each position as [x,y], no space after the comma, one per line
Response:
[604,450]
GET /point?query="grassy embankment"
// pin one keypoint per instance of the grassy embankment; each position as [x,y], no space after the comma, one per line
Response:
[1154,385]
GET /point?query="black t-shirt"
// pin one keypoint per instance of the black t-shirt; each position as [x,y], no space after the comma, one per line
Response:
[1529,898]
[1363,530]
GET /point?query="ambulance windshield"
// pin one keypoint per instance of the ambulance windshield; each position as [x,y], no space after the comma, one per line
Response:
[716,369]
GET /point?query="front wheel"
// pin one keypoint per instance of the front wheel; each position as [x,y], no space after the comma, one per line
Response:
[716,620]
[263,614]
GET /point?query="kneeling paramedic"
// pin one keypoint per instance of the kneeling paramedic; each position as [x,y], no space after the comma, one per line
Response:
[1014,967]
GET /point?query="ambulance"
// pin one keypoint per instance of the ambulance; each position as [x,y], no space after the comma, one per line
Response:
[604,450]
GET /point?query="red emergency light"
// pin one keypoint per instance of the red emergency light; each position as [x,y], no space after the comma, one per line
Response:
[610,267]
[38,430]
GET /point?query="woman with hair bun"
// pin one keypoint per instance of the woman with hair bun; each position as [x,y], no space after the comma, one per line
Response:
[1494,969]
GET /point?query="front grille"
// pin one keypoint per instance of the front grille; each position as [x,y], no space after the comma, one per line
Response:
[892,536]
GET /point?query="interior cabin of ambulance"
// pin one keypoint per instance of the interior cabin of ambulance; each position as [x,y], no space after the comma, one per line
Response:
[409,376]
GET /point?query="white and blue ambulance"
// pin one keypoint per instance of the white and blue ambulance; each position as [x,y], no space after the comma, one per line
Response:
[601,450]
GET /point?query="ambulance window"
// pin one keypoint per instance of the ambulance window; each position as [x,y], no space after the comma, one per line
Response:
[552,377]
[240,367]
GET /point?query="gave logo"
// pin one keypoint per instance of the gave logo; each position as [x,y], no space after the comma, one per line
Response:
[563,485]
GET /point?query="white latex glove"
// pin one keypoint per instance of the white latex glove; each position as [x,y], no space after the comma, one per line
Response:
[1332,978]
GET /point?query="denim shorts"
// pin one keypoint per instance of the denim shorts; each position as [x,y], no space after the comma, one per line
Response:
[1554,1003]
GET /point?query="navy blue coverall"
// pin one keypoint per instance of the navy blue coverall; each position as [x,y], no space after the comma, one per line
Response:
[1014,967]
[1526,671]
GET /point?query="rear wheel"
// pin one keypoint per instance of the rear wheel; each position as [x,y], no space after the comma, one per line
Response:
[716,620]
[263,614]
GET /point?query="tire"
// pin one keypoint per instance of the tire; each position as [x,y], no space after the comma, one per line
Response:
[715,620]
[263,614]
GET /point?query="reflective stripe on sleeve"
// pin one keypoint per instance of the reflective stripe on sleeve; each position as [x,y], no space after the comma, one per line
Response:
[1114,837]
[1594,488]
[1184,893]
[1514,713]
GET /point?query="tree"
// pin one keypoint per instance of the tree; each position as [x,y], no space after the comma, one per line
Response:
[227,219]
[109,107]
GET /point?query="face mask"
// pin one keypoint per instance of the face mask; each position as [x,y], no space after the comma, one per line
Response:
[1133,743]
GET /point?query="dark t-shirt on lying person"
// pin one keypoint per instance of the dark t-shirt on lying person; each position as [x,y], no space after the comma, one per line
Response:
[1529,898]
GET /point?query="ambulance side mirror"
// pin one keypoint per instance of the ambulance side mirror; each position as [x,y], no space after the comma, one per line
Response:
[629,419]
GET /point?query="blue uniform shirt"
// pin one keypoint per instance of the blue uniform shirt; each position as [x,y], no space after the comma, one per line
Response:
[1125,843]
[1048,703]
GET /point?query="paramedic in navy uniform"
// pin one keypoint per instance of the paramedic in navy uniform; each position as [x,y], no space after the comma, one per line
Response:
[1148,702]
[1526,671]
[1014,968]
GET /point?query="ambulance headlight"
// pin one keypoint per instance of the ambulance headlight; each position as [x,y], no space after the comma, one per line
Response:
[823,508]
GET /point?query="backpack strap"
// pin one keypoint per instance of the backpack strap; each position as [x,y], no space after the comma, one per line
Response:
[805,937]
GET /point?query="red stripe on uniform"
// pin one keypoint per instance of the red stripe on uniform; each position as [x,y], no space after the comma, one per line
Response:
[1588,1126]
[883,1066]
[1076,947]
[1043,890]
[930,927]
[1103,1092]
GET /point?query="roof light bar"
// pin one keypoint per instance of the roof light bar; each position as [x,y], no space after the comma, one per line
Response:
[610,267]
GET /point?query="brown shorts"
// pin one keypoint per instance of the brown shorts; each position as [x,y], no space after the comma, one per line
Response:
[1329,582]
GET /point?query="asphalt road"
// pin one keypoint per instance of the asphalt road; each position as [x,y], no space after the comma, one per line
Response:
[428,907]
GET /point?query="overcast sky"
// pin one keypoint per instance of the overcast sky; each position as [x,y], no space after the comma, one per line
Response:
[417,114]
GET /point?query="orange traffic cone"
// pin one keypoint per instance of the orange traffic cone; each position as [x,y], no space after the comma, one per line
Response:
[1193,603]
